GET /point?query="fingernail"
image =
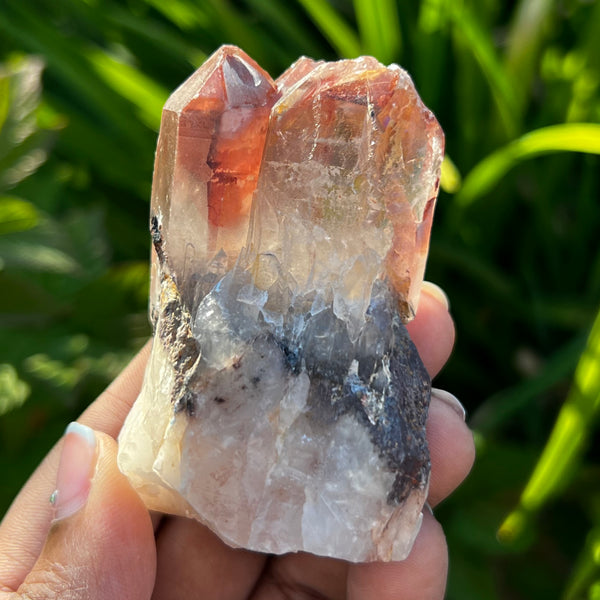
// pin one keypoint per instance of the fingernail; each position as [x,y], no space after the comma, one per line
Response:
[75,471]
[427,507]
[437,292]
[451,400]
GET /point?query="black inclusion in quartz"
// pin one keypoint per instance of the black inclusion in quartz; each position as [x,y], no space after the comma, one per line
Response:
[378,378]
[387,389]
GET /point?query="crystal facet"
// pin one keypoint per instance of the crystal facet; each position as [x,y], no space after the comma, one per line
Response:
[284,403]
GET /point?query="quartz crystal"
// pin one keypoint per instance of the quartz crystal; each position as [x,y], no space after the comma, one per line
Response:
[284,403]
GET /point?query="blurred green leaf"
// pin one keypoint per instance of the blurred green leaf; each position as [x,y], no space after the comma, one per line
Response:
[34,256]
[145,94]
[450,179]
[530,25]
[586,573]
[22,143]
[13,391]
[96,146]
[21,82]
[503,406]
[24,302]
[472,33]
[572,137]
[75,70]
[183,14]
[114,305]
[236,27]
[82,236]
[4,99]
[479,271]
[287,25]
[157,33]
[571,431]
[55,372]
[337,31]
[74,246]
[379,29]
[16,215]
[433,15]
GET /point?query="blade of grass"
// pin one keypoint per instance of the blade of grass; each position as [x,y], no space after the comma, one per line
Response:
[501,407]
[239,30]
[286,23]
[219,20]
[22,77]
[4,98]
[587,570]
[478,269]
[560,457]
[527,32]
[338,33]
[571,137]
[157,33]
[74,70]
[432,15]
[429,51]
[36,256]
[450,179]
[480,44]
[379,28]
[186,15]
[143,92]
[92,145]
[584,100]
[590,46]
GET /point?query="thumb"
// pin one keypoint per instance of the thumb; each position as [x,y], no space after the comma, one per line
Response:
[101,542]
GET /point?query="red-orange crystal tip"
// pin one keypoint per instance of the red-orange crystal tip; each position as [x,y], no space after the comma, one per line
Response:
[351,152]
[334,144]
[208,157]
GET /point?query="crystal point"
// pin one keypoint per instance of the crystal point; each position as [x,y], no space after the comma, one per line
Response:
[207,161]
[284,404]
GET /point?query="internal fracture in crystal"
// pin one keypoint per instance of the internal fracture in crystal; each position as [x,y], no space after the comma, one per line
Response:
[284,404]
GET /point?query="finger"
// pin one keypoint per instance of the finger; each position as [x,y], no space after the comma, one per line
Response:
[450,440]
[422,576]
[302,576]
[432,329]
[21,540]
[101,543]
[451,445]
[194,563]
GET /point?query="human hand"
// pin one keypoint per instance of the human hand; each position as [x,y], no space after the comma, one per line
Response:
[103,544]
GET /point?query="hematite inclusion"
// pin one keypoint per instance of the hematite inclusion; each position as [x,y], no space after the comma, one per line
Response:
[284,404]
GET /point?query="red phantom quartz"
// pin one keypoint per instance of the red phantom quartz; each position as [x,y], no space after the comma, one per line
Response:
[284,404]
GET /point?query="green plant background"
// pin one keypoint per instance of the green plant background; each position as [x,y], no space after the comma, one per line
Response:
[516,240]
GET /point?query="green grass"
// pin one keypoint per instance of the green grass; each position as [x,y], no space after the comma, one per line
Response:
[516,244]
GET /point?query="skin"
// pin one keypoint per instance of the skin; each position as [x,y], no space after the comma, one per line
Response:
[113,548]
